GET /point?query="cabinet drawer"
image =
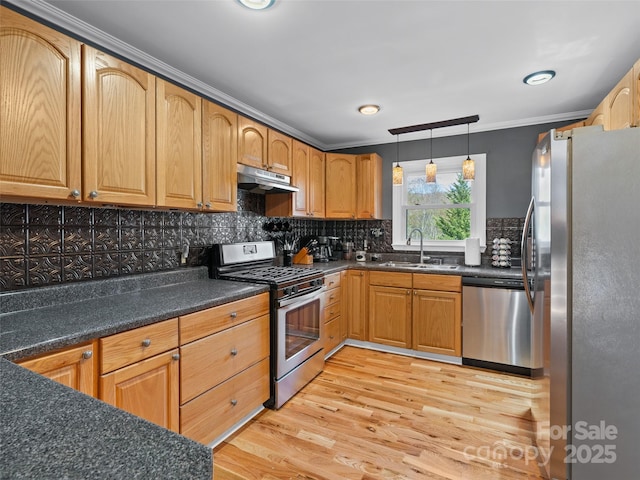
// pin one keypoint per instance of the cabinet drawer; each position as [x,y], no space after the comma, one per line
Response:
[390,279]
[332,311]
[134,345]
[443,283]
[205,322]
[207,417]
[213,359]
[332,280]
[331,335]
[332,296]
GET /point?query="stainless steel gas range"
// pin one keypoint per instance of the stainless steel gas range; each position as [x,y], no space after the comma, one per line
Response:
[296,310]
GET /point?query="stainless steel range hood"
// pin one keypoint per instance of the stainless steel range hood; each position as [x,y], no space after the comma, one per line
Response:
[263,181]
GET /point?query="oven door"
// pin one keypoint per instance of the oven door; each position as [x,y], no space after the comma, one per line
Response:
[299,330]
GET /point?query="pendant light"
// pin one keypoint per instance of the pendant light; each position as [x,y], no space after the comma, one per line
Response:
[397,170]
[432,168]
[468,166]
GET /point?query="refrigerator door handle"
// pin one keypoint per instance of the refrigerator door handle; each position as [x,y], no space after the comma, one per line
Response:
[525,253]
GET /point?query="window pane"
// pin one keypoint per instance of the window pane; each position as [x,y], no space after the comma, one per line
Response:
[449,189]
[440,224]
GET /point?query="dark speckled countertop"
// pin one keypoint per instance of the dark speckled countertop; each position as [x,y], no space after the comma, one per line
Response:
[49,431]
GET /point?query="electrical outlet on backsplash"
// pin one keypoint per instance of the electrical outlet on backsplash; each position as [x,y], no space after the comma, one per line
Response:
[46,244]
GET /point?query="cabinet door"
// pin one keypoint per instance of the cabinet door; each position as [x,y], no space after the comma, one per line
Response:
[344,322]
[300,178]
[316,184]
[148,389]
[369,186]
[636,94]
[599,116]
[390,316]
[219,158]
[40,117]
[179,147]
[74,367]
[252,143]
[354,299]
[340,177]
[279,152]
[119,125]
[437,322]
[620,103]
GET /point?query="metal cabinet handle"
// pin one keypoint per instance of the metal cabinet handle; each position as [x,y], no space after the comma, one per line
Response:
[75,193]
[234,402]
[208,205]
[233,314]
[175,356]
[93,194]
[87,355]
[199,204]
[331,337]
[146,342]
[408,292]
[234,352]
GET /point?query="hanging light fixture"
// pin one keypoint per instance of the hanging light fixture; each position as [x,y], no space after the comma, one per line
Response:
[397,170]
[468,166]
[432,168]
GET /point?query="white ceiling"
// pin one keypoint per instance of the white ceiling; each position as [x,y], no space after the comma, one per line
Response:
[304,66]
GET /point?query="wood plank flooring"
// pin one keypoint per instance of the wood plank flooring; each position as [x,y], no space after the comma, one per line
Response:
[374,415]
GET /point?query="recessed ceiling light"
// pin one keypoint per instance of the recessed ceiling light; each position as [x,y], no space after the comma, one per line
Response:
[369,109]
[538,78]
[257,4]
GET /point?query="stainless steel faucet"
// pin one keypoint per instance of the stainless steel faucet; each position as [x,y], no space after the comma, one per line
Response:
[421,244]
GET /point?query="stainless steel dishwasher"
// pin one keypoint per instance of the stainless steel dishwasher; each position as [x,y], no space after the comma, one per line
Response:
[497,326]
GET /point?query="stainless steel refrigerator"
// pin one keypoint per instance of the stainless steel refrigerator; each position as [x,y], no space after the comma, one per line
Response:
[585,251]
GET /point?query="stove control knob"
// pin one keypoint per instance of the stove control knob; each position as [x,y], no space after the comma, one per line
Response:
[287,290]
[294,289]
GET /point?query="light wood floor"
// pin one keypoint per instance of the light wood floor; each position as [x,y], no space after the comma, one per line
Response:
[373,415]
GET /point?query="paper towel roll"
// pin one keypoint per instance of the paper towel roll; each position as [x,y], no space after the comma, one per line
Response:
[472,251]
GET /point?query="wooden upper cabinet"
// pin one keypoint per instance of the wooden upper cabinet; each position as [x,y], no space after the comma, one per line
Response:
[620,103]
[300,178]
[179,147]
[219,158]
[74,367]
[40,87]
[316,183]
[369,186]
[279,152]
[599,116]
[119,126]
[340,190]
[636,94]
[252,143]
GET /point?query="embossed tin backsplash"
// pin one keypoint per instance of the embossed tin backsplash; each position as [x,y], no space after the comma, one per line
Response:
[45,244]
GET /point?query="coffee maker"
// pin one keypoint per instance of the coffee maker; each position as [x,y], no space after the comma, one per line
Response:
[326,247]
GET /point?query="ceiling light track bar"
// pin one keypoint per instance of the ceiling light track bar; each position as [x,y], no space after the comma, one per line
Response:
[431,126]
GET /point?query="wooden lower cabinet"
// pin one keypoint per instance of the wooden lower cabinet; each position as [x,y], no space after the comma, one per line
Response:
[224,366]
[332,314]
[74,367]
[148,389]
[437,318]
[211,414]
[390,316]
[355,305]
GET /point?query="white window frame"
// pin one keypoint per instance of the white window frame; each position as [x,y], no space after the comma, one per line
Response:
[478,205]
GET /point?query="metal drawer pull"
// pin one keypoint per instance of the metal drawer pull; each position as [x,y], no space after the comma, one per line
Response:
[146,342]
[233,314]
[176,356]
[234,352]
[87,355]
[234,402]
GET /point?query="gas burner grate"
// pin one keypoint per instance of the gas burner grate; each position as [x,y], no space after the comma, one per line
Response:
[277,274]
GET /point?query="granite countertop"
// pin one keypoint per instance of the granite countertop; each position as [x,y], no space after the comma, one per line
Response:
[40,329]
[462,270]
[49,431]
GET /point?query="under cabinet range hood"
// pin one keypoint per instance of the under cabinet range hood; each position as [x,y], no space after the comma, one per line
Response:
[263,181]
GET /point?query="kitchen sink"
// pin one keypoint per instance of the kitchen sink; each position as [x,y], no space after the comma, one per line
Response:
[421,266]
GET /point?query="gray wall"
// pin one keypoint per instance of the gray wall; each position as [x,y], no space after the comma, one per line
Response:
[508,163]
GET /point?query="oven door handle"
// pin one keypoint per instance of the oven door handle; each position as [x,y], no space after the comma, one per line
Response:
[306,298]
